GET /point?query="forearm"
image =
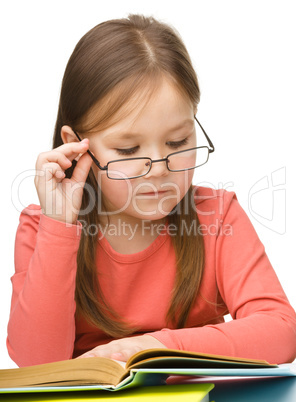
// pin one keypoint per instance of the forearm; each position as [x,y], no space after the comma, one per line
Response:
[259,336]
[42,320]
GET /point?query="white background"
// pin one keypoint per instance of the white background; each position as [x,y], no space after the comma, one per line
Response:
[244,54]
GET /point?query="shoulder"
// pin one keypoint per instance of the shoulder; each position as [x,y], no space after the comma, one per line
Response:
[210,201]
[220,212]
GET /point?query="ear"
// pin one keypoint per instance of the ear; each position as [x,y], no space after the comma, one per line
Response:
[68,135]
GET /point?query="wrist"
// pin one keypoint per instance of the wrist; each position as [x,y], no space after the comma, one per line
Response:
[152,342]
[59,227]
[67,219]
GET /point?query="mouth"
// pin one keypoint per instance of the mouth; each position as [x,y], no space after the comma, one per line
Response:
[154,193]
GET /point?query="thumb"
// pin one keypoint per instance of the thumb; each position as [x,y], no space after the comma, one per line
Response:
[82,168]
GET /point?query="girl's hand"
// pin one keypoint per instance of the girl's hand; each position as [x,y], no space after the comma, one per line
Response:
[123,349]
[60,198]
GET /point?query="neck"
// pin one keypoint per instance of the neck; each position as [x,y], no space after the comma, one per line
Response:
[128,236]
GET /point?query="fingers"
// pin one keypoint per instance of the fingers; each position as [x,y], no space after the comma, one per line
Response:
[53,169]
[63,155]
[113,351]
[82,168]
[123,349]
[72,149]
[123,355]
[55,162]
[60,198]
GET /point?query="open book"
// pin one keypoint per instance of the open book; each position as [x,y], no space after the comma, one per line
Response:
[148,367]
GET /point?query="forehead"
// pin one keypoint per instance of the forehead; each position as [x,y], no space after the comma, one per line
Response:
[122,133]
[123,104]
[165,112]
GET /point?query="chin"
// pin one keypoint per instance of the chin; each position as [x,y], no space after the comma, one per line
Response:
[154,214]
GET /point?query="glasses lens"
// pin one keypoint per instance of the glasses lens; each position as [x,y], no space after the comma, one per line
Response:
[189,159]
[128,168]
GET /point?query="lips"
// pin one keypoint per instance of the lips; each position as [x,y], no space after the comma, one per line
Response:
[153,193]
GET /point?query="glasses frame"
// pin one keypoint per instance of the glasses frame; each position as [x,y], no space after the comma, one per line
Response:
[211,149]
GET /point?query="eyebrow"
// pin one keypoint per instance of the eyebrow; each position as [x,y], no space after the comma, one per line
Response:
[126,135]
[121,135]
[182,125]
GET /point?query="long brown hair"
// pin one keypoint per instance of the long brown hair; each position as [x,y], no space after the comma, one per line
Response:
[112,63]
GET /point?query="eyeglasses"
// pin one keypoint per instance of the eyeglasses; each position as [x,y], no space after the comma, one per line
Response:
[132,168]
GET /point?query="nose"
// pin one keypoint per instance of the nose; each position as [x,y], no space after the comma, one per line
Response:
[158,168]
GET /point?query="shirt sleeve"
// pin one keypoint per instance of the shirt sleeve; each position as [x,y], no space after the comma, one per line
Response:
[264,323]
[41,326]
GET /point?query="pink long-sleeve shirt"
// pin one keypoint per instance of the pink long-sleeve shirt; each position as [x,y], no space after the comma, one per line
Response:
[238,279]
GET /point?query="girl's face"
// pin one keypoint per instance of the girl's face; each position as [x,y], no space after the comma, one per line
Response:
[163,126]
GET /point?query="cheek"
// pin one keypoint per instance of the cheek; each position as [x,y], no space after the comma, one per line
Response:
[117,194]
[181,182]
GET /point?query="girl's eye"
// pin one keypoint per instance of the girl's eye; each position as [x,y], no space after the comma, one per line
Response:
[126,151]
[171,144]
[177,144]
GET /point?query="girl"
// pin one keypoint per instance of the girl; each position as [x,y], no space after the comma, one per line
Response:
[124,253]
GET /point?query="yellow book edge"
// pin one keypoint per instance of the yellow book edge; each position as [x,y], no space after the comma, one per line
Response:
[166,393]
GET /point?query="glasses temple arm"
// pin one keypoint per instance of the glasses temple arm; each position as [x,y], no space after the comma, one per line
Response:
[212,148]
[90,154]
